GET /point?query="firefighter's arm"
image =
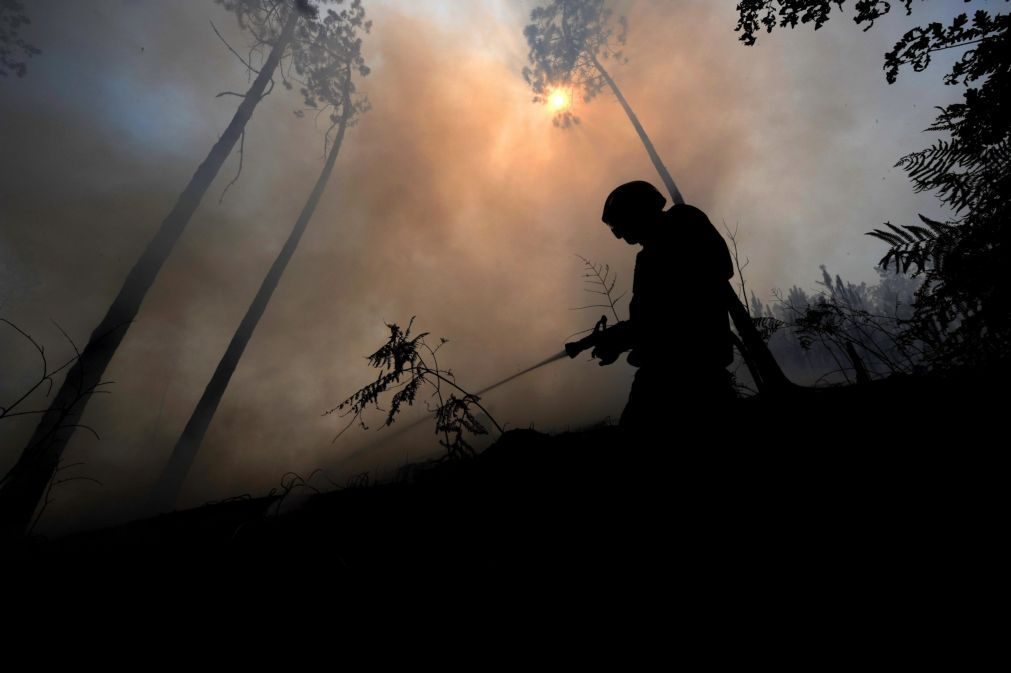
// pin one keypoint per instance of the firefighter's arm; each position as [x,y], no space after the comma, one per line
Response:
[612,342]
[607,342]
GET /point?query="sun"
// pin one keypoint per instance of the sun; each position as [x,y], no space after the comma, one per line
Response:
[559,100]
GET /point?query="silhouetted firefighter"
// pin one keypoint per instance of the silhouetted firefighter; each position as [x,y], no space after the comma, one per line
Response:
[678,329]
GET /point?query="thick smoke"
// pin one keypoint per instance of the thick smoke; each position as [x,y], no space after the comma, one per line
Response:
[454,200]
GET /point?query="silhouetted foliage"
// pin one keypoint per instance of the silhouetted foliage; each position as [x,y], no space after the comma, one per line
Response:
[566,38]
[45,376]
[843,329]
[756,14]
[767,326]
[963,307]
[44,379]
[14,51]
[601,281]
[405,365]
[330,57]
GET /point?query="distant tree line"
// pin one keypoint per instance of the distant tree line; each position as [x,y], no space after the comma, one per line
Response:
[962,308]
[842,332]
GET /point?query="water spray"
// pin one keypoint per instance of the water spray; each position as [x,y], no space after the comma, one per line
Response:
[571,350]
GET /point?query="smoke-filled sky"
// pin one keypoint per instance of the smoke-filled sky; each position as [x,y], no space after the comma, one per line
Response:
[454,199]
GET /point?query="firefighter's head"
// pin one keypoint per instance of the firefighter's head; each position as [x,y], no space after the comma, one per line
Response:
[632,209]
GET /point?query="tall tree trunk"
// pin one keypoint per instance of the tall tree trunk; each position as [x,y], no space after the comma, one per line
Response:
[668,181]
[764,369]
[23,487]
[170,484]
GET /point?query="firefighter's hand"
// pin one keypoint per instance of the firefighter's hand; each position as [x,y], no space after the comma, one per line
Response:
[605,353]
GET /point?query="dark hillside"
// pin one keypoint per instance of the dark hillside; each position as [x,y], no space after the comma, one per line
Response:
[837,487]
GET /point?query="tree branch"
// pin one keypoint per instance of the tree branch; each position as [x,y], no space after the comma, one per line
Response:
[225,42]
[242,147]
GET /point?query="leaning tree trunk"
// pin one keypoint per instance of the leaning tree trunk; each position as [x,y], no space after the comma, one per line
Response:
[170,484]
[764,369]
[668,181]
[23,487]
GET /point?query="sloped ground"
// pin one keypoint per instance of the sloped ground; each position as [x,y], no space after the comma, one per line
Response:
[887,487]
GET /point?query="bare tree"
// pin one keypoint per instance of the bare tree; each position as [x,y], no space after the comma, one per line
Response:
[45,378]
[569,40]
[327,67]
[273,24]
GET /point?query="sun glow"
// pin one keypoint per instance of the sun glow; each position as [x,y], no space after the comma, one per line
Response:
[559,100]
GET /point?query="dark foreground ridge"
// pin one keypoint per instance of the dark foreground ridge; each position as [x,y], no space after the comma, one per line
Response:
[886,482]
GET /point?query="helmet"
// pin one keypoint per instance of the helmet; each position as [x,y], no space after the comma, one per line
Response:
[632,201]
